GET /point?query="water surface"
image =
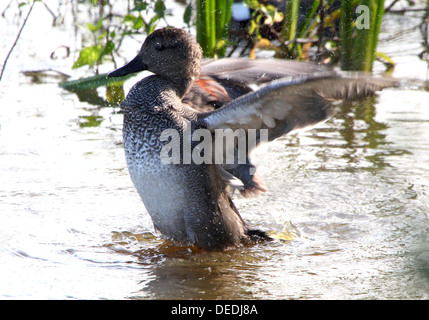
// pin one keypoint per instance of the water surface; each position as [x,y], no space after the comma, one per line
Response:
[352,193]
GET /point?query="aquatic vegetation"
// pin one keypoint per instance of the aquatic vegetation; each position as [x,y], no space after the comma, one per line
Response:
[326,31]
[322,30]
[107,36]
[212,25]
[359,34]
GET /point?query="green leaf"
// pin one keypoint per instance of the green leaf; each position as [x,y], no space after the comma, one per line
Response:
[108,48]
[102,36]
[130,20]
[139,5]
[88,56]
[151,26]
[220,44]
[187,15]
[160,8]
[93,82]
[138,23]
[97,26]
[115,94]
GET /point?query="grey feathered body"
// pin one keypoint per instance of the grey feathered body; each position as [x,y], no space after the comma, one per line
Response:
[187,202]
[190,202]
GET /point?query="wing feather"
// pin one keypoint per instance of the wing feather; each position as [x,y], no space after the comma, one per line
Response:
[293,103]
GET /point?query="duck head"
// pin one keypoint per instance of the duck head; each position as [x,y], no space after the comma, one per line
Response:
[170,53]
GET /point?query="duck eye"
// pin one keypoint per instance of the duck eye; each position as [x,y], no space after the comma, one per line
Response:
[160,46]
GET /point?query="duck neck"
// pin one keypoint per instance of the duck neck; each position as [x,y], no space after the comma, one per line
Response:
[181,84]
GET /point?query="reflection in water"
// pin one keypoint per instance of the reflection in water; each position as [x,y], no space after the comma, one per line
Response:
[363,135]
[91,96]
[357,140]
[359,218]
[204,276]
[188,273]
[90,121]
[192,278]
[180,272]
[46,76]
[356,188]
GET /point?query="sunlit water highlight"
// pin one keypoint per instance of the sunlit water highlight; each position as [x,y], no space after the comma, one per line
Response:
[353,195]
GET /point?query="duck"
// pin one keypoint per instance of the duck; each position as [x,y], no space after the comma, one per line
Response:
[190,201]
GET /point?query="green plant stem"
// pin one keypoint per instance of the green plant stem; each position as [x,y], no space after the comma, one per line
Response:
[309,17]
[321,29]
[291,20]
[222,20]
[212,25]
[206,30]
[358,45]
[377,27]
[346,34]
[289,30]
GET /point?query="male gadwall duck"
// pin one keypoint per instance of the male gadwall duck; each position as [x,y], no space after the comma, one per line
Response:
[189,200]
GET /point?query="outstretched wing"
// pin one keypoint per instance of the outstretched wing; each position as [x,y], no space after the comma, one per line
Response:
[224,80]
[293,103]
[259,71]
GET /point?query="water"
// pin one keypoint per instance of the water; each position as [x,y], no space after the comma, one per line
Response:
[352,194]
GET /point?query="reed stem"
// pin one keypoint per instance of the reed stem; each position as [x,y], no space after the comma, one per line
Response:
[360,26]
[212,25]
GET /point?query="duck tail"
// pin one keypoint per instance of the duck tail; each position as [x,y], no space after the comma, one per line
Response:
[258,235]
